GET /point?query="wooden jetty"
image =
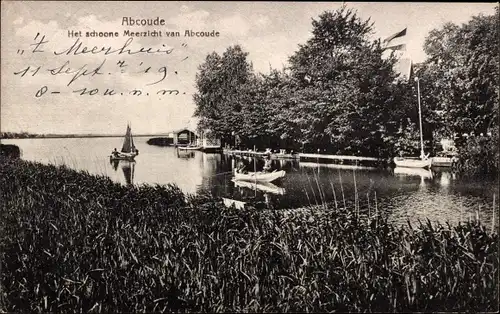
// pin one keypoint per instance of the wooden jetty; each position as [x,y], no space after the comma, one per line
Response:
[303,156]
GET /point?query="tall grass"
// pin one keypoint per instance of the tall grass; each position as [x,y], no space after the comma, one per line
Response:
[77,242]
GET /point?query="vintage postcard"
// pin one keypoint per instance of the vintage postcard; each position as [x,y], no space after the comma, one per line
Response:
[249,156]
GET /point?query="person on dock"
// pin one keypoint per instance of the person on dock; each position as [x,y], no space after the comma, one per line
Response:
[267,162]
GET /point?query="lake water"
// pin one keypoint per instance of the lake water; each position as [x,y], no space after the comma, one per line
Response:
[439,195]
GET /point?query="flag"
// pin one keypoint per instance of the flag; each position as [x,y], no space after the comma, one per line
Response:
[392,43]
[394,36]
[404,65]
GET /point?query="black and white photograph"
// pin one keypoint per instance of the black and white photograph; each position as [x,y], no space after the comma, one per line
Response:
[237,157]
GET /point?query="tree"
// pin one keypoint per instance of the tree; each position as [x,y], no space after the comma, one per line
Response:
[280,99]
[464,62]
[347,96]
[463,67]
[219,99]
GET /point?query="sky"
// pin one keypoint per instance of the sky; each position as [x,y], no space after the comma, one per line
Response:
[269,31]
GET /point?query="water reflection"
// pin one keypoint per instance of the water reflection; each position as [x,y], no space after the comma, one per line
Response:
[185,154]
[417,172]
[446,178]
[265,187]
[128,169]
[408,174]
[128,172]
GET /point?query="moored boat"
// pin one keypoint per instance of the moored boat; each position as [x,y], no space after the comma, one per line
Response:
[260,176]
[188,147]
[424,160]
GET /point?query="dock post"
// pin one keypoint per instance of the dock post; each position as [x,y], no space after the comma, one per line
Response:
[493,216]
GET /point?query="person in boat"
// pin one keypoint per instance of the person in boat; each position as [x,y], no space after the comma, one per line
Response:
[241,167]
[267,162]
[114,153]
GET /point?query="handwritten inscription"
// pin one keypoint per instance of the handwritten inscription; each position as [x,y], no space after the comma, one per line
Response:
[62,64]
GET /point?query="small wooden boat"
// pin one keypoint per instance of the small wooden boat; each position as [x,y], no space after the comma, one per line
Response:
[266,187]
[188,147]
[129,151]
[260,176]
[412,163]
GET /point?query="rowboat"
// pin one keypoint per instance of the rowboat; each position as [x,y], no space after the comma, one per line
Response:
[412,163]
[129,151]
[260,176]
[188,147]
[266,187]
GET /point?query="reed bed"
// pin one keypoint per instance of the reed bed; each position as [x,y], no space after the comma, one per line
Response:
[76,242]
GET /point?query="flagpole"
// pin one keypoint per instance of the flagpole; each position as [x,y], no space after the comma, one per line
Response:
[420,119]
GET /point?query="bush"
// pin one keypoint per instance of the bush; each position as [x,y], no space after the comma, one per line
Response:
[479,155]
[10,151]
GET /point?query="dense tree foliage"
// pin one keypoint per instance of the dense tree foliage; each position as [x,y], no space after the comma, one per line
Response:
[338,93]
[463,68]
[462,71]
[342,95]
[348,98]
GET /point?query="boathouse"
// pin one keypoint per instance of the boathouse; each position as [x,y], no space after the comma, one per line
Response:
[183,137]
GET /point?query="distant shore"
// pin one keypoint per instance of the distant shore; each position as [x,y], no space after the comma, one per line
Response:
[23,136]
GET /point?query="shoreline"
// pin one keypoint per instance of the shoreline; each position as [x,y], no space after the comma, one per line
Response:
[71,136]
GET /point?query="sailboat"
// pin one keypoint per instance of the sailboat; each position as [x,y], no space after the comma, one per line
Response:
[129,151]
[424,160]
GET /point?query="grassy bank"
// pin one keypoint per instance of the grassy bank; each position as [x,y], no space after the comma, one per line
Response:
[76,242]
